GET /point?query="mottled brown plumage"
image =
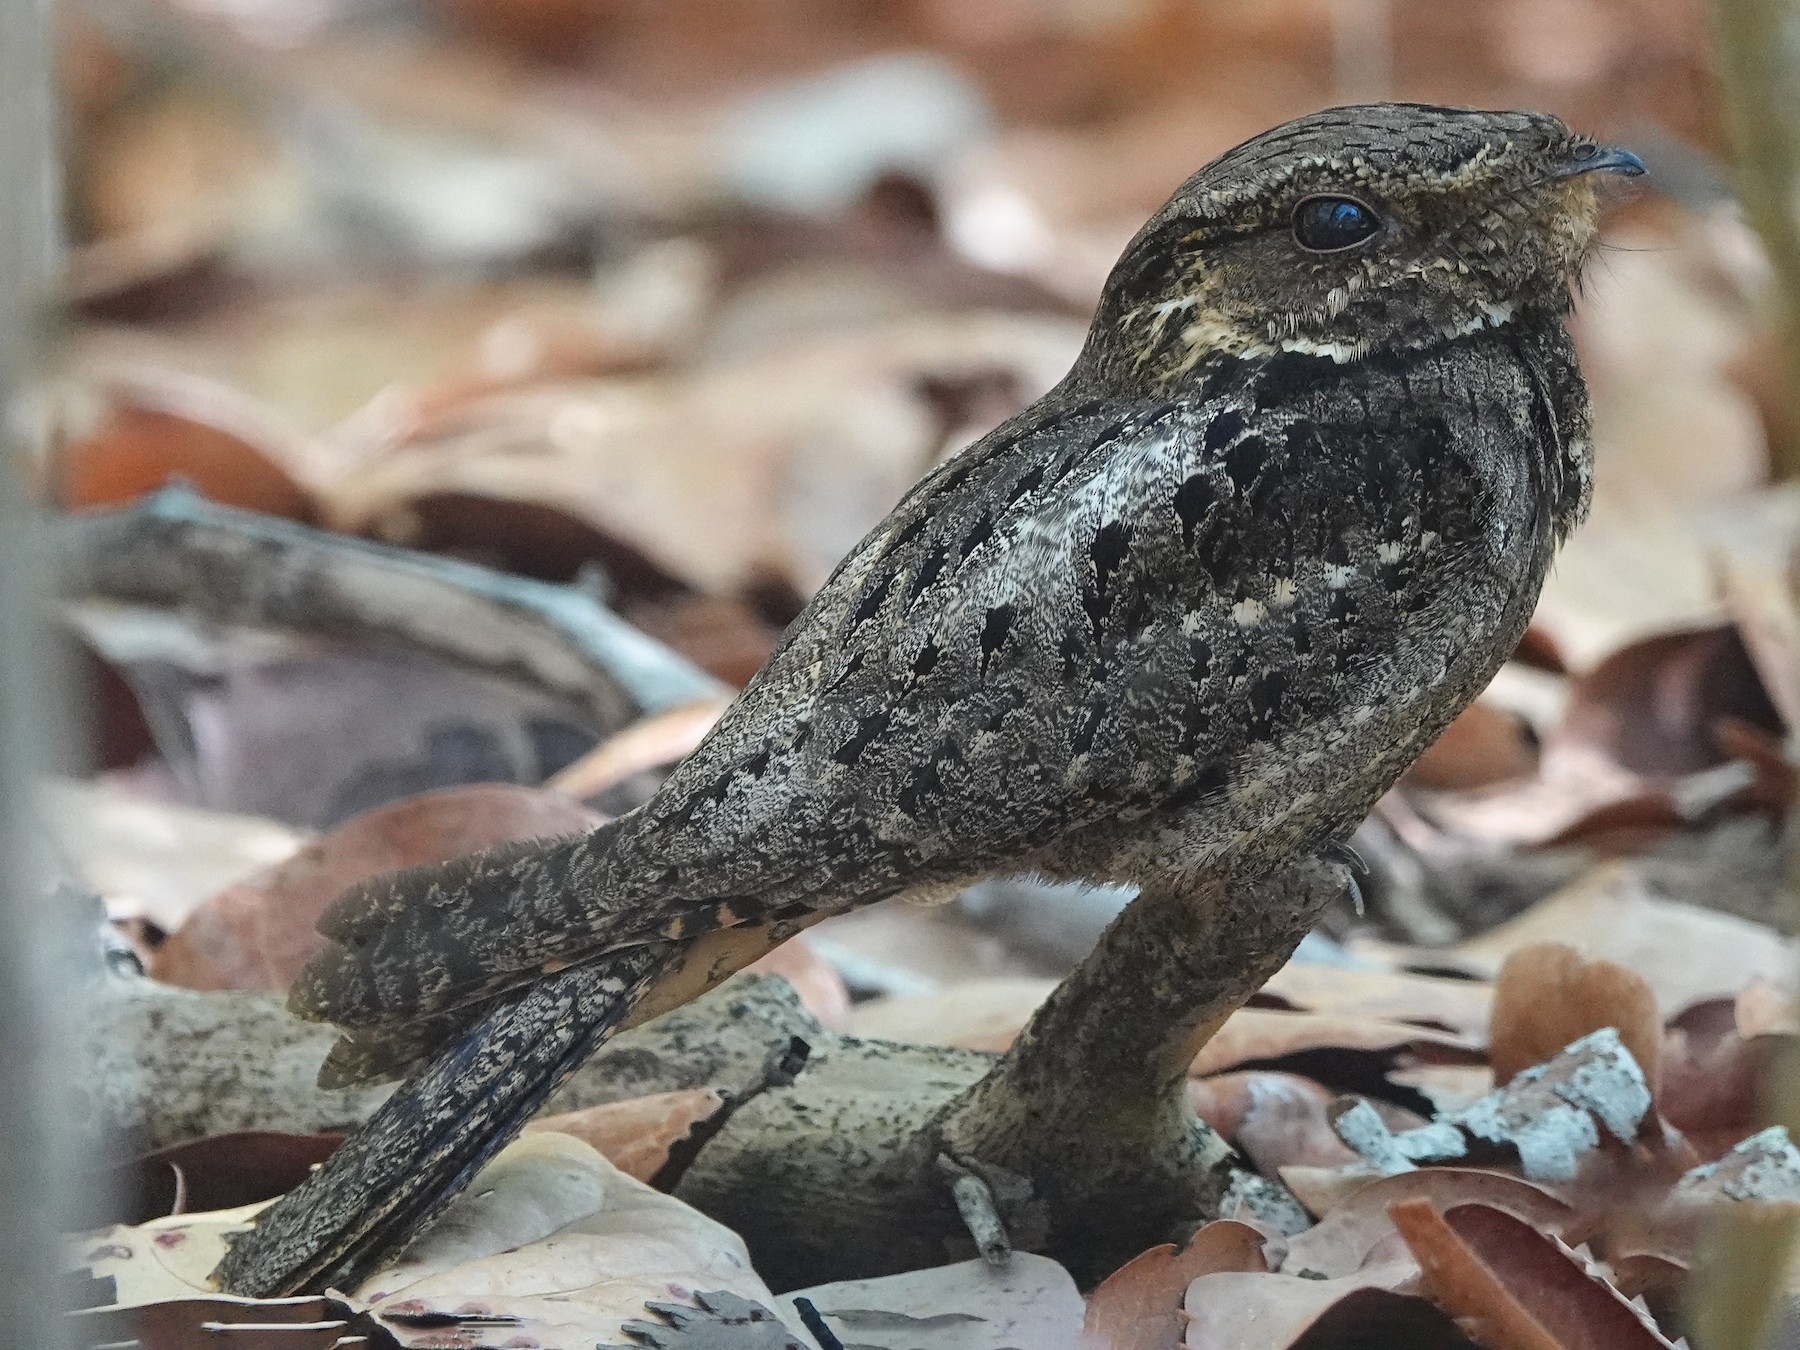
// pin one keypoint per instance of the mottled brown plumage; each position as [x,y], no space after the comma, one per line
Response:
[1198,607]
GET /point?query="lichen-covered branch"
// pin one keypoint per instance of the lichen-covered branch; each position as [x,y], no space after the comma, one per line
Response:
[164,1065]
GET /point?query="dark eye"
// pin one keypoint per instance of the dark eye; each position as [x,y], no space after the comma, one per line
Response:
[1327,224]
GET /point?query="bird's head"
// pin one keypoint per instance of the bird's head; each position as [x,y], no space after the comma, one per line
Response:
[1354,230]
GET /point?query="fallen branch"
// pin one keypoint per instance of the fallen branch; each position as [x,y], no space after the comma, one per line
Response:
[878,1157]
[1082,1132]
[1081,1135]
[164,1065]
[175,550]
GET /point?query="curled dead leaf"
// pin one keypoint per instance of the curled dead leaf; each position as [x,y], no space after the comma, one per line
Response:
[1713,1076]
[1517,1288]
[1357,1220]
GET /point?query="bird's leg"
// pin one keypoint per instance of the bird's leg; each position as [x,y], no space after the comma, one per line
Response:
[1090,1106]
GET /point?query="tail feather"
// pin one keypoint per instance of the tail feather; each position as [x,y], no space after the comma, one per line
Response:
[381,1054]
[445,938]
[394,1174]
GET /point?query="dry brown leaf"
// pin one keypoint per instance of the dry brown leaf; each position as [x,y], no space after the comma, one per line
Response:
[1760,1009]
[1754,549]
[649,743]
[771,467]
[1686,953]
[1459,1006]
[224,1171]
[1517,1289]
[557,1239]
[979,1014]
[1713,1076]
[159,860]
[1030,1301]
[164,1259]
[814,978]
[258,933]
[274,722]
[1547,996]
[1654,706]
[141,428]
[1261,1034]
[1275,1120]
[351,363]
[221,1323]
[1378,1317]
[1656,334]
[987,1014]
[1577,796]
[554,1245]
[187,164]
[723,635]
[1483,746]
[1266,1312]
[1357,1221]
[636,1136]
[1139,1306]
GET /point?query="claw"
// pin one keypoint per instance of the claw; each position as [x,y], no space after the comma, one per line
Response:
[1343,851]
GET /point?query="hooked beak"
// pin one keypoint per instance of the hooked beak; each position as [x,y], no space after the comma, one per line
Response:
[1601,159]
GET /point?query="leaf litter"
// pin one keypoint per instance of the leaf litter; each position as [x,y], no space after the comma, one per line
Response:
[581,291]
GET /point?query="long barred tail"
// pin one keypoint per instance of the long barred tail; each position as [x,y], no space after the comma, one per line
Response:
[427,1141]
[424,945]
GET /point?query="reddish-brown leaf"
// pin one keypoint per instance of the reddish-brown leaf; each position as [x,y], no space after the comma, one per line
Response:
[157,428]
[1138,1306]
[220,1172]
[1547,997]
[1484,746]
[1654,706]
[636,1136]
[1379,1317]
[1514,1287]
[1712,1076]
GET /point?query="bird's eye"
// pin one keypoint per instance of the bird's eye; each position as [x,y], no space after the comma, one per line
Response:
[1330,224]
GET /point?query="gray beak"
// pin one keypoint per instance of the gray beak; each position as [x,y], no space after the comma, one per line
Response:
[1601,159]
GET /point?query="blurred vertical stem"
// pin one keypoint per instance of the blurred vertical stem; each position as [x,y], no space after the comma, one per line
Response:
[1759,67]
[1739,1292]
[38,1170]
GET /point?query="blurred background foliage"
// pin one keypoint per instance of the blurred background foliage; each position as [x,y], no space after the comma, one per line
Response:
[690,290]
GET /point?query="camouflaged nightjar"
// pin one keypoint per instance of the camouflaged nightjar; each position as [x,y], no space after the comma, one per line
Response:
[1197,607]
